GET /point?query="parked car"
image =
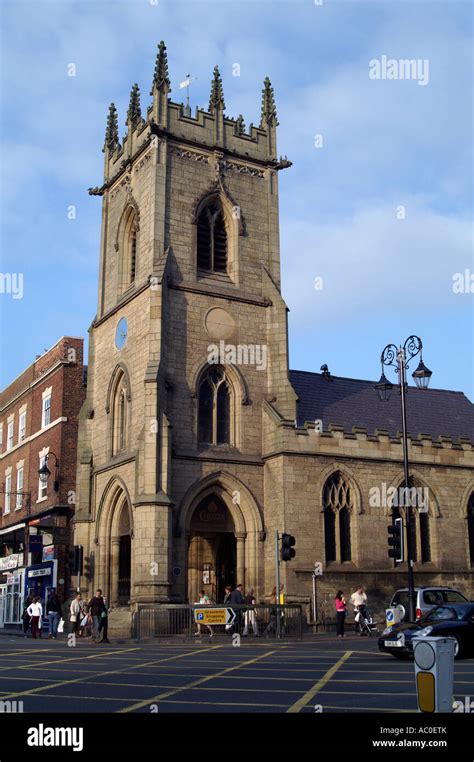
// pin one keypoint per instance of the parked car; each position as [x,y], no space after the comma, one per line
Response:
[455,620]
[427,598]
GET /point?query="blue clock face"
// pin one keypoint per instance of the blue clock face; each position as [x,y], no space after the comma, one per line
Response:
[121,333]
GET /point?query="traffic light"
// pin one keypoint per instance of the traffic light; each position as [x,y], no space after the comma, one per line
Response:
[396,548]
[87,567]
[74,559]
[287,550]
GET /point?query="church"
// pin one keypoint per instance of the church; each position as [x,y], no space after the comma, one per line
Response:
[196,440]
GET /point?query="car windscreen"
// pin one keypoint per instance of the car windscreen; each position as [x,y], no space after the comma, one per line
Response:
[446,613]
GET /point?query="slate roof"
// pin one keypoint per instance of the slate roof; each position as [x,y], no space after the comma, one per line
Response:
[352,402]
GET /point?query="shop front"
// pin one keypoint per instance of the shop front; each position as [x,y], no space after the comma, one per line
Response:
[11,589]
[40,579]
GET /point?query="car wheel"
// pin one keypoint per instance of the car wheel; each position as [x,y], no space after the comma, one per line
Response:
[458,649]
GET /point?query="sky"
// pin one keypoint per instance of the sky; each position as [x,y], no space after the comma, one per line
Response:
[375,213]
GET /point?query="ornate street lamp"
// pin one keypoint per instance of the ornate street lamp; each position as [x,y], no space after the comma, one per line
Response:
[399,358]
[44,473]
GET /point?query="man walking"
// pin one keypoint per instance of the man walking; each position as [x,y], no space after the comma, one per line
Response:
[359,601]
[53,611]
[249,615]
[236,597]
[96,607]
[104,623]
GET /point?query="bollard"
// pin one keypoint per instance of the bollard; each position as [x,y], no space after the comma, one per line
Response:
[434,673]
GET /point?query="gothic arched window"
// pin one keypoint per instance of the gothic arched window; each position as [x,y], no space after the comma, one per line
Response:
[337,506]
[120,414]
[127,244]
[470,527]
[212,239]
[425,545]
[215,408]
[420,521]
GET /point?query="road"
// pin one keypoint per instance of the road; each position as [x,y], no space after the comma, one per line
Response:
[323,675]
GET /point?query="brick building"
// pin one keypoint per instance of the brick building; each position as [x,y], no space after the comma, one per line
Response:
[38,424]
[196,442]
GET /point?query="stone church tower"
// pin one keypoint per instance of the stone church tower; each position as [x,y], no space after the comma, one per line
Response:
[196,441]
[189,339]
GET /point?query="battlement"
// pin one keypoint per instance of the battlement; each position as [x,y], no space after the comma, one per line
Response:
[208,129]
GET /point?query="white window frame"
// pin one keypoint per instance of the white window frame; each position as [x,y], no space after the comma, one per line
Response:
[10,433]
[1,436]
[22,427]
[42,488]
[8,489]
[20,478]
[46,411]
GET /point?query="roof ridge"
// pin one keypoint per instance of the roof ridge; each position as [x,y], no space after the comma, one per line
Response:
[373,381]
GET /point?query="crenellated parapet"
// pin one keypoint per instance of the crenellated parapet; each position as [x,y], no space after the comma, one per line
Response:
[209,129]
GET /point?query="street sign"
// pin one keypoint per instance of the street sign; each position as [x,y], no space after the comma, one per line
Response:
[214,616]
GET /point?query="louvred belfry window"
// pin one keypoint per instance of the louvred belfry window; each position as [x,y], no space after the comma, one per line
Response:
[212,240]
[215,408]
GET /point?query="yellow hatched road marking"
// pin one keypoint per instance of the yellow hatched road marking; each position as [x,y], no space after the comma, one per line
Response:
[32,691]
[82,657]
[309,695]
[180,689]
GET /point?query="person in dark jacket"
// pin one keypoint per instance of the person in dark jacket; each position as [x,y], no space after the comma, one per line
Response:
[236,595]
[104,623]
[25,616]
[53,611]
[96,607]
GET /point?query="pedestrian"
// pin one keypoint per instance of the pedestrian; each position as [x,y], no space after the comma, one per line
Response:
[204,601]
[104,622]
[236,598]
[236,595]
[271,626]
[249,614]
[75,614]
[35,611]
[86,620]
[53,612]
[227,594]
[96,607]
[340,603]
[26,619]
[359,601]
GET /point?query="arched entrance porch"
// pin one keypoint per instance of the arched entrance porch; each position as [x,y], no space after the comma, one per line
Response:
[231,544]
[113,573]
[212,550]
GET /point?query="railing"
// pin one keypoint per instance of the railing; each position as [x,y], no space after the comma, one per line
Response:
[260,620]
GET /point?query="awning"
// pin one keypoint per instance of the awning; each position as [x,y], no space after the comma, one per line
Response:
[13,528]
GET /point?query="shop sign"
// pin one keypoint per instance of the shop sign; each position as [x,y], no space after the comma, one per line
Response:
[11,562]
[48,552]
[39,572]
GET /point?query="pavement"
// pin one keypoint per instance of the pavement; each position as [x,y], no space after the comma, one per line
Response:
[318,674]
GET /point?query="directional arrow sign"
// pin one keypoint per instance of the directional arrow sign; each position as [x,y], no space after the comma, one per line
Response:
[214,616]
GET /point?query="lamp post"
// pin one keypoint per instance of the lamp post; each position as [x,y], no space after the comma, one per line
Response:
[399,358]
[44,472]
